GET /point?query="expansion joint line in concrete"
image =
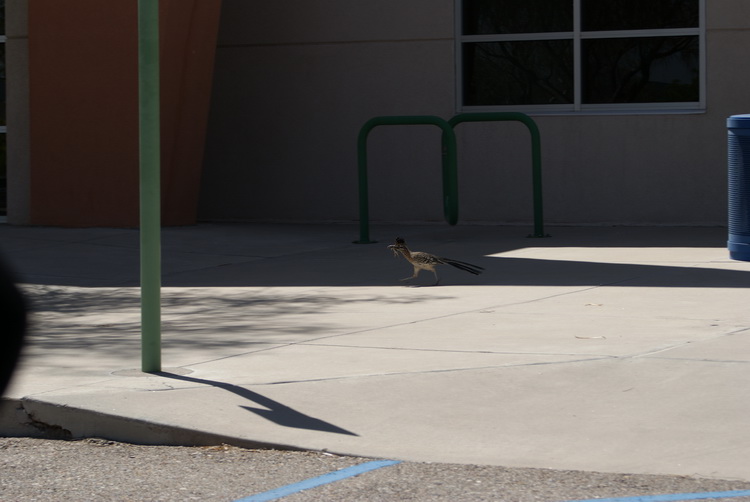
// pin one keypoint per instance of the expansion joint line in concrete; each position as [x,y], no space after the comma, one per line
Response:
[396,325]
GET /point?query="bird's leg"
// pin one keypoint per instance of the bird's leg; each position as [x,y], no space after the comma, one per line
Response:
[416,273]
[437,280]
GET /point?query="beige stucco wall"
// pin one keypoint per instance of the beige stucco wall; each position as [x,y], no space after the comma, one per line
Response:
[296,79]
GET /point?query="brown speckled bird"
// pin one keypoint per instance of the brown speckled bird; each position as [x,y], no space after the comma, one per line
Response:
[426,261]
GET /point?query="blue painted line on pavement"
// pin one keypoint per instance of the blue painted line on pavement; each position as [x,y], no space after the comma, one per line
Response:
[674,497]
[318,481]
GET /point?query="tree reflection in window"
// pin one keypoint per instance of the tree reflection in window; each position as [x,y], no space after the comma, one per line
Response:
[641,70]
[507,73]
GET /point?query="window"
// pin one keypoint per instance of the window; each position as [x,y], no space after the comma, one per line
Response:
[581,55]
[3,166]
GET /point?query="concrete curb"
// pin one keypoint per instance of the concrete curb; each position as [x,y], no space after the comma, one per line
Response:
[38,419]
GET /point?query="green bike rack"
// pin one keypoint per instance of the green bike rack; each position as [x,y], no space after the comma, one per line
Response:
[450,177]
[536,155]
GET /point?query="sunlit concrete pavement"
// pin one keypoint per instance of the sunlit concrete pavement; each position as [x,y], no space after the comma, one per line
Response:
[601,349]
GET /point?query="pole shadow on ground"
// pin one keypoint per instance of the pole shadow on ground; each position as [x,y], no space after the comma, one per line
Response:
[274,411]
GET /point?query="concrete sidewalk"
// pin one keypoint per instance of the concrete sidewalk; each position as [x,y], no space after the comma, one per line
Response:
[599,349]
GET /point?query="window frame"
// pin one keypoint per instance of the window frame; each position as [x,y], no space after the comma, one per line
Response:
[577,36]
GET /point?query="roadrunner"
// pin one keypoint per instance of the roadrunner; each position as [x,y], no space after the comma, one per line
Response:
[426,261]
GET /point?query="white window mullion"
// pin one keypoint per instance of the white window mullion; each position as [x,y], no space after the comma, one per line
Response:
[674,32]
[518,37]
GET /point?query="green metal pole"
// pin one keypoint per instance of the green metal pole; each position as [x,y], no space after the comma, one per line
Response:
[450,173]
[364,201]
[536,173]
[150,173]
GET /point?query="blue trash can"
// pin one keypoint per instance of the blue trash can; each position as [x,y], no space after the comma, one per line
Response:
[738,127]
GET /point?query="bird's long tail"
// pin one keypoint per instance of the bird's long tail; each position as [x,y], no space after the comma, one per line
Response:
[461,265]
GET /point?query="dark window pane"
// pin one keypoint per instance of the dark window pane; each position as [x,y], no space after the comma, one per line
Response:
[2,84]
[483,17]
[3,175]
[3,169]
[605,15]
[641,70]
[518,73]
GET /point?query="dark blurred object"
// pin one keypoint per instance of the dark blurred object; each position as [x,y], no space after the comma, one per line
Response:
[12,326]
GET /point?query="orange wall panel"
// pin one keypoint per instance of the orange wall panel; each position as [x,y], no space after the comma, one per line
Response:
[83,112]
[83,85]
